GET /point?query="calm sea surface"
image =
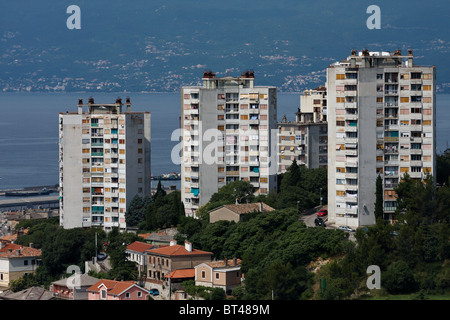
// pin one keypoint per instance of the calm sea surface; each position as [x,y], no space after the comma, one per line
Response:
[29,130]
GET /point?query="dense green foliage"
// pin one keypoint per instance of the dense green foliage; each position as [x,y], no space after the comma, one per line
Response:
[276,248]
[162,210]
[379,198]
[299,186]
[413,253]
[443,168]
[62,248]
[203,292]
[268,243]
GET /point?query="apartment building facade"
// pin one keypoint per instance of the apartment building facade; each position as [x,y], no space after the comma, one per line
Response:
[381,121]
[305,139]
[227,124]
[104,161]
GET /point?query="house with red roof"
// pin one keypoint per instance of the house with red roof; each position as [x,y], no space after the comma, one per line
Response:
[117,290]
[17,261]
[164,260]
[136,252]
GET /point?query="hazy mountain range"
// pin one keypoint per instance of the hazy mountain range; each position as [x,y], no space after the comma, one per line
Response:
[161,45]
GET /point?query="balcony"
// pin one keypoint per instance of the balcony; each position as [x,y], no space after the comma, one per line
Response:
[391,173]
[415,139]
[391,185]
[351,152]
[351,187]
[97,154]
[352,211]
[350,105]
[351,175]
[391,139]
[394,127]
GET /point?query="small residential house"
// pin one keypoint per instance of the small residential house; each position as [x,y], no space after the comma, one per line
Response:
[225,274]
[136,252]
[73,289]
[235,212]
[180,275]
[162,261]
[117,290]
[17,261]
[159,238]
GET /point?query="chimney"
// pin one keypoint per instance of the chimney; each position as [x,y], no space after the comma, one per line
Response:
[2,244]
[235,261]
[80,106]
[173,242]
[188,246]
[225,261]
[260,207]
[410,58]
[353,59]
[31,245]
[128,104]
[18,252]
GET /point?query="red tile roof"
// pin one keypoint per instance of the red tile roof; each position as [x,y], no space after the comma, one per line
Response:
[177,250]
[113,287]
[9,238]
[139,246]
[12,250]
[181,273]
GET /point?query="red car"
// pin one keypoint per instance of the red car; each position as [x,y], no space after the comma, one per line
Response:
[322,213]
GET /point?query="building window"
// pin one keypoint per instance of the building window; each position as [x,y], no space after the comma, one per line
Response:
[127,295]
[103,294]
[139,294]
[217,275]
[203,274]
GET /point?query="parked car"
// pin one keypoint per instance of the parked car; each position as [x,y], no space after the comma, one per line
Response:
[319,222]
[346,228]
[322,213]
[154,292]
[101,256]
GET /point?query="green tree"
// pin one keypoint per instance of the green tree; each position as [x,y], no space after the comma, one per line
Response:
[136,210]
[416,200]
[443,168]
[164,211]
[240,191]
[291,177]
[379,199]
[122,269]
[399,278]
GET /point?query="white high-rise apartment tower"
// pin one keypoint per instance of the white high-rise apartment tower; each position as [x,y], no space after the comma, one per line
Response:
[104,161]
[227,136]
[381,121]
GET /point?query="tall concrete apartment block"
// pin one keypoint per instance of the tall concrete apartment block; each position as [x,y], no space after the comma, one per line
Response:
[381,121]
[233,118]
[104,161]
[305,139]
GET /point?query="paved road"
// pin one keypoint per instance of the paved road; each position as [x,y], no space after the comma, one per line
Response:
[308,217]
